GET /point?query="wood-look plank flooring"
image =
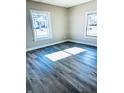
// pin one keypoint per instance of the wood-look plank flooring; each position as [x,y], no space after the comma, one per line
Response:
[74,74]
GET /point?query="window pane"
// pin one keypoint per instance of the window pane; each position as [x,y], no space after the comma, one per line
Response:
[40,24]
[92,24]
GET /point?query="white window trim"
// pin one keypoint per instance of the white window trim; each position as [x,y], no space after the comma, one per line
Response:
[85,28]
[50,27]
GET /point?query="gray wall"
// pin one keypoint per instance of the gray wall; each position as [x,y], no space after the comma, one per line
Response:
[77,22]
[58,19]
[66,23]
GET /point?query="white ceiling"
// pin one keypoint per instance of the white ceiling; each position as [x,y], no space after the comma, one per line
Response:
[63,3]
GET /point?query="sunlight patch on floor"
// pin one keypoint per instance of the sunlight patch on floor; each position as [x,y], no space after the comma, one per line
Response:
[64,53]
[74,50]
[57,55]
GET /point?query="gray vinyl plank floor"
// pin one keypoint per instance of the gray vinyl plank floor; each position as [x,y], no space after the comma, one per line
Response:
[74,74]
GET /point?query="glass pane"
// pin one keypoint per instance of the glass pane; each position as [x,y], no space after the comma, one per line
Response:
[92,24]
[40,24]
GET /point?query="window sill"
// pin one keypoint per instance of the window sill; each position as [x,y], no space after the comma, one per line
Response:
[41,39]
[90,37]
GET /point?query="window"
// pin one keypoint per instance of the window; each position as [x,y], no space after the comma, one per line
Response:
[91,27]
[40,24]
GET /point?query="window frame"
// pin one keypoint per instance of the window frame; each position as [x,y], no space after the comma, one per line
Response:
[86,24]
[49,23]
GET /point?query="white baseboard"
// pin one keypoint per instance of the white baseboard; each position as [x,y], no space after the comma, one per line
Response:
[46,45]
[86,43]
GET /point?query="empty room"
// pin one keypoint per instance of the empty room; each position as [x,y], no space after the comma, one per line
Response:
[61,46]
